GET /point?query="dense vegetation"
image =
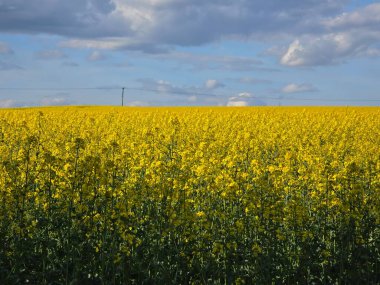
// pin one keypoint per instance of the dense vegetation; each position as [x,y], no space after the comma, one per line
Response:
[190,195]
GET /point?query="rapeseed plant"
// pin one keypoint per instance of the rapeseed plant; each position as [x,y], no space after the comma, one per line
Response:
[109,195]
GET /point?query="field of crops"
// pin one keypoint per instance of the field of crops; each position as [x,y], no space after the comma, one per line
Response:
[103,195]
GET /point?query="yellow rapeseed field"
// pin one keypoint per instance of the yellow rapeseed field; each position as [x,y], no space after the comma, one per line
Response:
[261,195]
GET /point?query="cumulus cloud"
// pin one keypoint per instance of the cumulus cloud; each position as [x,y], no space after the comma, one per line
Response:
[55,101]
[298,88]
[330,49]
[163,86]
[213,84]
[324,50]
[237,103]
[106,43]
[245,95]
[345,36]
[182,95]
[115,43]
[364,17]
[82,18]
[8,103]
[146,23]
[244,99]
[173,21]
[137,104]
[96,56]
[192,98]
[321,33]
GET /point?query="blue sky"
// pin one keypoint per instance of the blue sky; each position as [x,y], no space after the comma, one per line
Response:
[189,52]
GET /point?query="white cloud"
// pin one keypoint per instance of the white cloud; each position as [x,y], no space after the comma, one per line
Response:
[239,100]
[164,22]
[96,56]
[104,43]
[368,15]
[324,34]
[8,103]
[293,55]
[199,22]
[137,104]
[237,103]
[346,36]
[298,88]
[330,48]
[112,43]
[245,99]
[167,93]
[373,52]
[245,95]
[192,98]
[165,87]
[213,84]
[55,101]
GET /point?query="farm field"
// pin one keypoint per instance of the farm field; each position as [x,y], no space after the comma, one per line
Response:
[256,195]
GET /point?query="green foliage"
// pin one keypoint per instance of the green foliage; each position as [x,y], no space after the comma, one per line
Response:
[191,196]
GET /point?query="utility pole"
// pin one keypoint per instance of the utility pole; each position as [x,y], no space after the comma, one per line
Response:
[122,96]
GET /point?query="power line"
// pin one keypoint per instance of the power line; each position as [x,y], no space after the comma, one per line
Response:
[56,88]
[183,92]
